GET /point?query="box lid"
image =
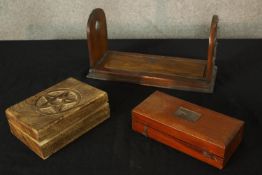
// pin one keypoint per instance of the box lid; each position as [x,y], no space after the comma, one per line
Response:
[200,127]
[49,112]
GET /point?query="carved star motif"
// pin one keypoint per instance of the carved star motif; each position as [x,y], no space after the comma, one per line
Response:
[57,101]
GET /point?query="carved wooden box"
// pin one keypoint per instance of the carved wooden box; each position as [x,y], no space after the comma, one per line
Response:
[51,119]
[197,131]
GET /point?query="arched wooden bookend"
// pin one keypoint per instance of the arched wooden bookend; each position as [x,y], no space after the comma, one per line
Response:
[152,70]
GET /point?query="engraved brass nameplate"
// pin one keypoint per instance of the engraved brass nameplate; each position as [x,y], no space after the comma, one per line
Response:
[187,114]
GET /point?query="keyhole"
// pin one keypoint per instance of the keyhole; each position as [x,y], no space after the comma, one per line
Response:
[97,25]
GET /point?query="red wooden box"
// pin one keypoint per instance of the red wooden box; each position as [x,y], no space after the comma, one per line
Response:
[204,134]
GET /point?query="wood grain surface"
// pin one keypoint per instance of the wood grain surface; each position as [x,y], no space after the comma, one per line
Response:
[56,116]
[155,64]
[212,138]
[47,147]
[152,70]
[43,121]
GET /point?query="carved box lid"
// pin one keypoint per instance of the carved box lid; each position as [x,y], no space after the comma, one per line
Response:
[51,111]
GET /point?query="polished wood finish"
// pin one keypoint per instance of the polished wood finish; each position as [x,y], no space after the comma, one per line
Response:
[97,34]
[51,119]
[189,128]
[211,55]
[153,70]
[154,65]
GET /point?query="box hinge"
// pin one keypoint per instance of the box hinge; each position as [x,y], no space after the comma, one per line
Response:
[145,131]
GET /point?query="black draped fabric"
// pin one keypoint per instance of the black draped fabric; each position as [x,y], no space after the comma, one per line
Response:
[27,67]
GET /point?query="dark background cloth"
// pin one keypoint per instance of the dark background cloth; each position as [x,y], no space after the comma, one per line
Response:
[27,67]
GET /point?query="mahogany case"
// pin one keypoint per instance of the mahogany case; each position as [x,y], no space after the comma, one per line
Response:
[51,119]
[204,134]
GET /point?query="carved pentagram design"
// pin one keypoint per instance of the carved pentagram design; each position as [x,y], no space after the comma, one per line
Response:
[57,101]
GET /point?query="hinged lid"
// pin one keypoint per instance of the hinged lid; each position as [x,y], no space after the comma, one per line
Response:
[54,109]
[198,126]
